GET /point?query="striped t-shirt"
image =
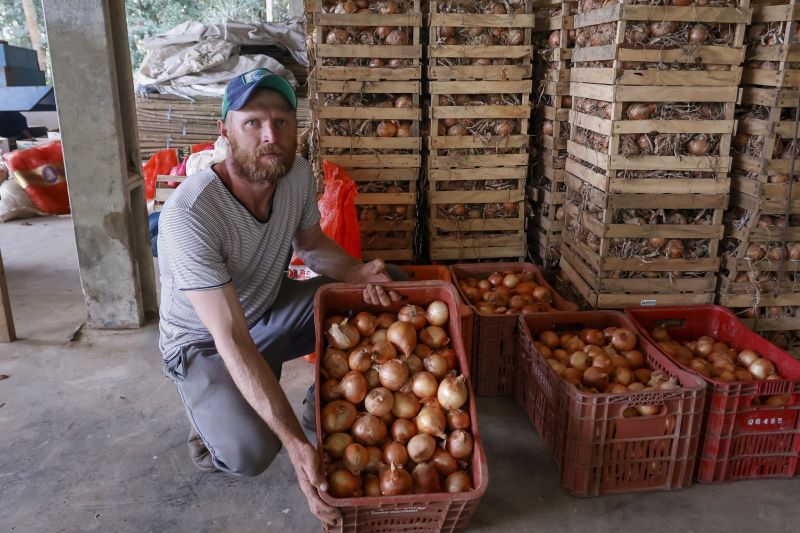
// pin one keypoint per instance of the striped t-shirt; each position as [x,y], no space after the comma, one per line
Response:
[207,239]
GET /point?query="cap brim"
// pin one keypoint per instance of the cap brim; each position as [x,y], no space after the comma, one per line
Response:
[272,81]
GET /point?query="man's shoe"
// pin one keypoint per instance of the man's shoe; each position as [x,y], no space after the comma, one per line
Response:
[309,418]
[200,455]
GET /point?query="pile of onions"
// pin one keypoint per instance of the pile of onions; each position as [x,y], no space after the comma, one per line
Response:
[507,293]
[477,36]
[603,361]
[394,411]
[718,360]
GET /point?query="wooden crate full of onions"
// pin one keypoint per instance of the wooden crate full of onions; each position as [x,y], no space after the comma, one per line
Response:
[480,40]
[772,45]
[751,428]
[761,250]
[477,169]
[372,129]
[632,42]
[396,415]
[616,414]
[379,42]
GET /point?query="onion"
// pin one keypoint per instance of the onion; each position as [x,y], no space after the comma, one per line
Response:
[635,358]
[421,448]
[395,481]
[458,481]
[406,405]
[647,410]
[426,479]
[375,459]
[698,146]
[360,359]
[452,393]
[444,463]
[459,444]
[343,335]
[761,368]
[393,374]
[384,320]
[379,401]
[457,419]
[414,315]
[365,323]
[329,390]
[372,487]
[431,420]
[403,430]
[353,387]
[413,363]
[698,33]
[595,377]
[355,458]
[403,336]
[674,249]
[379,335]
[746,357]
[373,380]
[639,111]
[437,365]
[344,484]
[338,416]
[368,430]
[394,453]
[437,313]
[662,28]
[386,128]
[422,350]
[335,363]
[623,339]
[549,339]
[383,352]
[424,385]
[434,336]
[337,36]
[335,444]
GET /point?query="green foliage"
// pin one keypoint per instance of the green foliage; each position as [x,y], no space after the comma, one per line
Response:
[12,23]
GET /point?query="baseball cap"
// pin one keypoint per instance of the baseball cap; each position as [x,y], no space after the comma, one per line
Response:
[241,87]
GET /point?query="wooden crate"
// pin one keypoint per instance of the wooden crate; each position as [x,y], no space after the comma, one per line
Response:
[621,61]
[164,189]
[764,136]
[360,118]
[351,60]
[486,232]
[770,62]
[479,149]
[554,19]
[388,236]
[459,57]
[607,279]
[605,133]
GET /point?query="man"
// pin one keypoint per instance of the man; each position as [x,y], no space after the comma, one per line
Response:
[229,318]
[14,125]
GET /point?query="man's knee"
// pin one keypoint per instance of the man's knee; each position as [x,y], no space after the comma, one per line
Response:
[249,460]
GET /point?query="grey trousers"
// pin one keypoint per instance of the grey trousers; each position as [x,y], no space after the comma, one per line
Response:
[238,439]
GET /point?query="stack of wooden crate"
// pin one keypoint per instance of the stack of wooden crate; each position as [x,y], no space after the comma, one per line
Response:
[480,84]
[653,101]
[365,89]
[554,36]
[761,263]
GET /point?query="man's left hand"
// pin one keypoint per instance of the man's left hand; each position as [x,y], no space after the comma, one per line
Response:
[371,273]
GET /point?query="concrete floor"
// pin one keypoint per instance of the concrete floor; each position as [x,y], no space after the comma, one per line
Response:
[92,438]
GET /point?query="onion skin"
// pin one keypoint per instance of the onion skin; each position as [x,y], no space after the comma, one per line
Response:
[368,430]
[458,481]
[344,484]
[338,416]
[403,336]
[395,481]
[426,479]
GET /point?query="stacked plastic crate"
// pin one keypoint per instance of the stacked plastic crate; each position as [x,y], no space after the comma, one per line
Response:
[479,55]
[554,36]
[761,264]
[365,90]
[654,90]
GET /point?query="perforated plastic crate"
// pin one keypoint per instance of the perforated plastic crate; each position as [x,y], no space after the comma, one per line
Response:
[599,450]
[494,337]
[415,513]
[740,440]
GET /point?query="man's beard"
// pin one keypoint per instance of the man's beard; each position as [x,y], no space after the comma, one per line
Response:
[250,166]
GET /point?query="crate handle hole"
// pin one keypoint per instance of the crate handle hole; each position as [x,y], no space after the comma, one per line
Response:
[773,400]
[647,411]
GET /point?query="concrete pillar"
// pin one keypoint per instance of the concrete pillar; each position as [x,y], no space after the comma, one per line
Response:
[88,42]
[296,8]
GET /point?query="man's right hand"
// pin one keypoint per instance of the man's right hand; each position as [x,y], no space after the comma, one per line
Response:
[306,464]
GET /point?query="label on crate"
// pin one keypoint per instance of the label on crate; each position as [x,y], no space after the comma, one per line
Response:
[769,420]
[647,303]
[398,510]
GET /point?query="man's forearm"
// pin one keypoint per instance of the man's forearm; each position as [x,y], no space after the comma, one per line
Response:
[329,259]
[259,386]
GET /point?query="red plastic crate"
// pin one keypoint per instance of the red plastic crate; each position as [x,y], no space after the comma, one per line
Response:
[418,513]
[599,450]
[494,337]
[740,440]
